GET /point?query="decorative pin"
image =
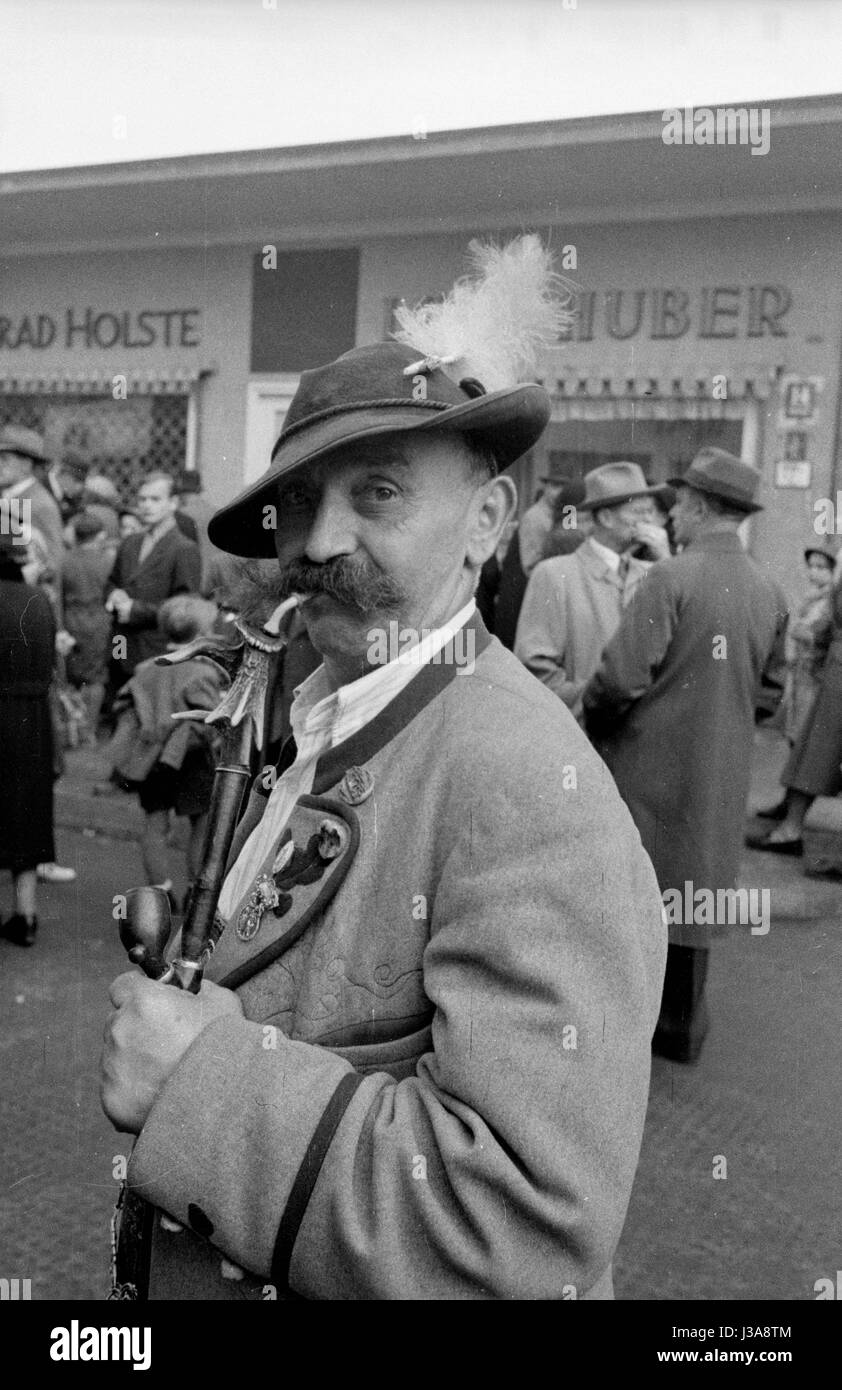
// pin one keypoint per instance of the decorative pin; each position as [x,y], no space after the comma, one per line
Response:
[356,786]
[330,840]
[262,898]
[284,855]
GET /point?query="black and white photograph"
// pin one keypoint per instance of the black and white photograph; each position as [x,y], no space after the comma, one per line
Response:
[421,666]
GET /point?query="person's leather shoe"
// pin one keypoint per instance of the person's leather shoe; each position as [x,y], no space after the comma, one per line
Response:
[773,812]
[793,848]
[55,873]
[21,931]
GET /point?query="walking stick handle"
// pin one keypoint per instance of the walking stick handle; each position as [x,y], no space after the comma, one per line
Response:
[146,929]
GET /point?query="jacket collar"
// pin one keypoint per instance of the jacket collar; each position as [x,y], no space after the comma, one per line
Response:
[431,680]
[590,557]
[716,540]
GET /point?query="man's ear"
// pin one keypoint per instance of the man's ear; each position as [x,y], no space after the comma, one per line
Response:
[492,507]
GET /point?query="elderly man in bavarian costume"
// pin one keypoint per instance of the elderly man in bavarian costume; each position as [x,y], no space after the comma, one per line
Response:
[698,656]
[574,603]
[423,1073]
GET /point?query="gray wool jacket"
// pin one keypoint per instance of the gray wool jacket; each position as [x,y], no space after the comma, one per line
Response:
[438,1087]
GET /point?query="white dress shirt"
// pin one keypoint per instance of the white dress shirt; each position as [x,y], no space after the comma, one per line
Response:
[321,718]
[605,553]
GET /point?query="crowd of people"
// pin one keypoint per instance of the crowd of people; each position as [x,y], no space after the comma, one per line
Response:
[671,686]
[91,591]
[100,590]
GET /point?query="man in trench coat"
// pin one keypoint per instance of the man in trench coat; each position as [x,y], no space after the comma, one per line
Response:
[419,1066]
[698,656]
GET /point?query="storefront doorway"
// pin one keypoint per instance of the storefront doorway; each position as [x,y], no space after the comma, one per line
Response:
[663,448]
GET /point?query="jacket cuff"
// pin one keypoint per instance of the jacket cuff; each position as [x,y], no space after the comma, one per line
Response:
[226,1167]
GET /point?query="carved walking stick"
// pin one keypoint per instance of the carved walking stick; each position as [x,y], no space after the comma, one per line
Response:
[146,929]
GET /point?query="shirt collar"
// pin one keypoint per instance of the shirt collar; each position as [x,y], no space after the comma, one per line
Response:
[315,706]
[160,529]
[605,553]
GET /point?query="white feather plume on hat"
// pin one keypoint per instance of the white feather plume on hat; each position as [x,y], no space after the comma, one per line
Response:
[492,323]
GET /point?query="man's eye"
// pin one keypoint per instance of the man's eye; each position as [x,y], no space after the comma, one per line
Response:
[379,492]
[295,497]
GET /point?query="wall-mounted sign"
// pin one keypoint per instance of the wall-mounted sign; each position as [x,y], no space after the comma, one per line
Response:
[795,446]
[799,401]
[792,473]
[92,328]
[714,311]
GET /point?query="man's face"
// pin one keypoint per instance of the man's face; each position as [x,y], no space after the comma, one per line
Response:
[684,515]
[388,525]
[820,571]
[624,520]
[155,502]
[71,484]
[13,468]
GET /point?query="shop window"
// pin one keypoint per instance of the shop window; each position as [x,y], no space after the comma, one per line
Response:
[125,440]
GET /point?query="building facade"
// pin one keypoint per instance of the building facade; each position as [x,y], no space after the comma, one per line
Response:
[159,315]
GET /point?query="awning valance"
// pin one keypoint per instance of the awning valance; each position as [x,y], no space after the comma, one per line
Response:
[708,397]
[172,382]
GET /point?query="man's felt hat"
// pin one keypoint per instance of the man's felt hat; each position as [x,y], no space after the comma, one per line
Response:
[74,462]
[720,474]
[369,392]
[16,439]
[612,484]
[558,470]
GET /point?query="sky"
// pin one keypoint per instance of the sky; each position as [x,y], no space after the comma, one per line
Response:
[105,81]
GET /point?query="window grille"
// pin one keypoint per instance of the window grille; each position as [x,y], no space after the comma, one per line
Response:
[125,440]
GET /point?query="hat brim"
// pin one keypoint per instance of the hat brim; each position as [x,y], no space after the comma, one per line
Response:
[699,486]
[507,422]
[597,503]
[24,453]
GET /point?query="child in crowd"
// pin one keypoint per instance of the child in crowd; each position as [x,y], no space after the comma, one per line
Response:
[170,764]
[84,583]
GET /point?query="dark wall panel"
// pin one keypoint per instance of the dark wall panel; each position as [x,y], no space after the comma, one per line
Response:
[304,312]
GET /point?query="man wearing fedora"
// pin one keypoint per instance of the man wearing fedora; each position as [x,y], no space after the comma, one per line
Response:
[698,657]
[21,450]
[66,480]
[573,603]
[423,1073]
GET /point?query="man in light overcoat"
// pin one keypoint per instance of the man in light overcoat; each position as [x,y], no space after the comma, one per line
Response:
[573,603]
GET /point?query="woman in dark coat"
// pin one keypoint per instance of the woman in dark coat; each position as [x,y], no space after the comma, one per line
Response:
[813,768]
[27,653]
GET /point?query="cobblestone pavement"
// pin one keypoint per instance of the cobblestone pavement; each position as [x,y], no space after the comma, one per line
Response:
[57,1147]
[766,1097]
